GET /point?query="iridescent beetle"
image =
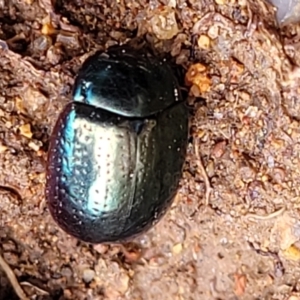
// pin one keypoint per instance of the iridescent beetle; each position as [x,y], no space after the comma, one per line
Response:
[117,150]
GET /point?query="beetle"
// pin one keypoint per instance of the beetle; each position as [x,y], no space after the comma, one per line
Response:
[117,150]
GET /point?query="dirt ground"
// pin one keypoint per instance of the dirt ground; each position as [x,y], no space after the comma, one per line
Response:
[233,231]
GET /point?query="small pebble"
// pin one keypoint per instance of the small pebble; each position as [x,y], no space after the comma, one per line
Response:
[25,130]
[88,275]
[177,248]
[287,11]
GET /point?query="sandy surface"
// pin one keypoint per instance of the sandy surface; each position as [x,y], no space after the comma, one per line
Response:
[233,231]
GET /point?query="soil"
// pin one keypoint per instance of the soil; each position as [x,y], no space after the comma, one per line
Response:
[233,231]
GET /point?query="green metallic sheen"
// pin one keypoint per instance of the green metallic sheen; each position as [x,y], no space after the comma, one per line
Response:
[113,173]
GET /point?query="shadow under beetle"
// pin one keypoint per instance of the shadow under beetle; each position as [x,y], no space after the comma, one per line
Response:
[117,150]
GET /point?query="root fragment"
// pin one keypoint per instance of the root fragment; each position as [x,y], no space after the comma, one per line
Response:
[12,278]
[272,215]
[208,188]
